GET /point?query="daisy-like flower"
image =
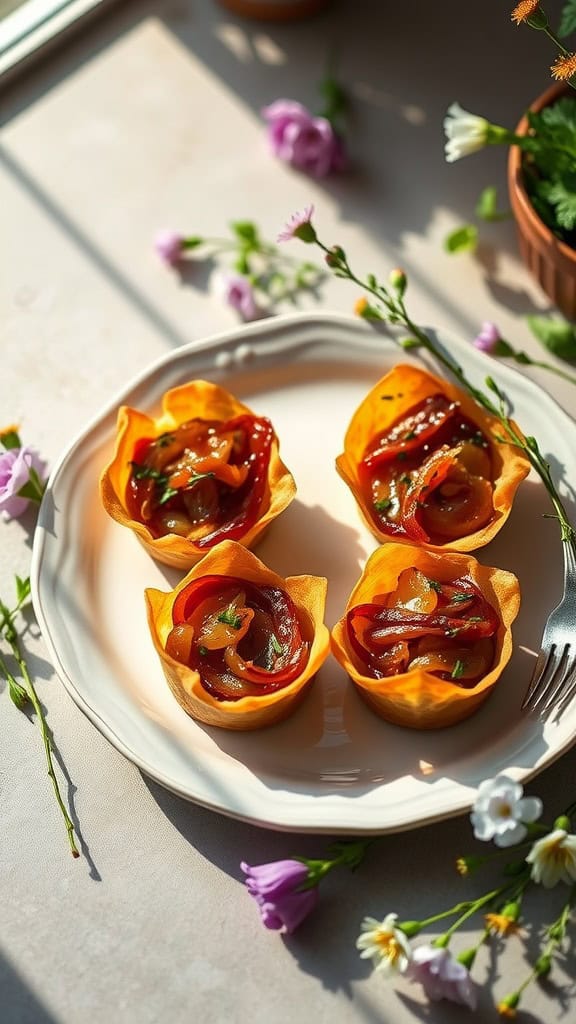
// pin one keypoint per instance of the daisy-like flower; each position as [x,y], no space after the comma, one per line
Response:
[386,944]
[524,10]
[564,67]
[553,859]
[465,132]
[501,812]
[299,226]
[441,976]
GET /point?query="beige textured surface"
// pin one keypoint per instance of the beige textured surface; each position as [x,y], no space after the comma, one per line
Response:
[149,120]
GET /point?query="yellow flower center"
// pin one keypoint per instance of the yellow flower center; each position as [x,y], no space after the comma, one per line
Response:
[390,946]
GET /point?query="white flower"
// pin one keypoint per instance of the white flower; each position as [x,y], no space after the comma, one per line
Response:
[466,133]
[553,859]
[385,943]
[500,811]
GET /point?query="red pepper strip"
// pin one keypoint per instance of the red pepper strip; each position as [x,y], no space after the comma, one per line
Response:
[430,475]
[262,676]
[375,627]
[275,604]
[261,434]
[417,428]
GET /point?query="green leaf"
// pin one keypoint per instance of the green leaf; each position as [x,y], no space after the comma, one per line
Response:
[487,206]
[561,194]
[192,242]
[557,122]
[246,231]
[22,589]
[557,335]
[567,19]
[464,239]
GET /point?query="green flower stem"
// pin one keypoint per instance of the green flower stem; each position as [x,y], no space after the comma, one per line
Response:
[348,854]
[557,42]
[509,890]
[396,313]
[7,627]
[555,934]
[528,361]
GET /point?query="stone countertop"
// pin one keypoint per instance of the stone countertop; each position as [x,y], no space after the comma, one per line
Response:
[149,118]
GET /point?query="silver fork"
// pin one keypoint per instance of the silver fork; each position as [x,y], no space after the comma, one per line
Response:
[553,681]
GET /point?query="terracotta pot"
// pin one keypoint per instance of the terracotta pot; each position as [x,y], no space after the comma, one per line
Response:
[552,262]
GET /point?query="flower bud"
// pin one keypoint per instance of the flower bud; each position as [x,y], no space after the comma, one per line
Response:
[507,1006]
[410,928]
[466,865]
[335,257]
[563,822]
[365,311]
[9,437]
[398,281]
[467,958]
[538,20]
[511,911]
[543,966]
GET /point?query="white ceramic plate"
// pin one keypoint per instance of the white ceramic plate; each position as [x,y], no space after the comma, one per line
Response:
[333,766]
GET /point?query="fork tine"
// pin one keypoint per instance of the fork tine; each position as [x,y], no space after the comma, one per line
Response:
[540,668]
[565,678]
[547,686]
[568,693]
[544,672]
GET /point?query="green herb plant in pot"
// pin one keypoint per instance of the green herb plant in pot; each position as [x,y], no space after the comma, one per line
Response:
[541,163]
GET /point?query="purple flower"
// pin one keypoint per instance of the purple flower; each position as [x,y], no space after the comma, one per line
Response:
[306,142]
[299,226]
[15,466]
[169,245]
[441,976]
[488,338]
[275,886]
[238,293]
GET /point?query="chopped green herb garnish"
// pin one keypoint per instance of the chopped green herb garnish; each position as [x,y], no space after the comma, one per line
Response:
[458,669]
[455,631]
[459,598]
[402,456]
[434,585]
[405,479]
[277,647]
[202,650]
[409,435]
[230,617]
[383,505]
[475,618]
[164,440]
[167,493]
[141,472]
